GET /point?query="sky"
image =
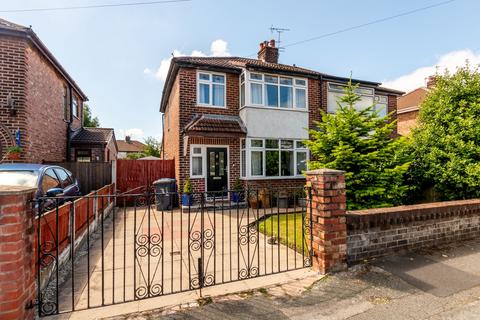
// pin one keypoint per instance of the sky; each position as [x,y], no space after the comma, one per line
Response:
[119,56]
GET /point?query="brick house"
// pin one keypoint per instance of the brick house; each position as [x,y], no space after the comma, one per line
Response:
[41,106]
[229,117]
[129,146]
[408,107]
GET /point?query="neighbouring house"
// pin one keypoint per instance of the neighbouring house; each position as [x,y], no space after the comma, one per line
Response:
[41,106]
[408,107]
[229,117]
[94,145]
[129,146]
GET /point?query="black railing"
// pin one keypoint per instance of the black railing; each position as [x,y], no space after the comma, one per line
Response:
[106,249]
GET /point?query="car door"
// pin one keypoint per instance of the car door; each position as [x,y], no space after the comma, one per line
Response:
[67,183]
[49,181]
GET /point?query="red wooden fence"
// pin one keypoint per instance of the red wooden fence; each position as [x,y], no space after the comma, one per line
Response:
[83,206]
[133,174]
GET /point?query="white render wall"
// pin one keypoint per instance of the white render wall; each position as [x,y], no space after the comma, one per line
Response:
[275,123]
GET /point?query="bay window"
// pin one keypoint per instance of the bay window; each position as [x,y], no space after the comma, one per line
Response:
[274,158]
[211,89]
[273,91]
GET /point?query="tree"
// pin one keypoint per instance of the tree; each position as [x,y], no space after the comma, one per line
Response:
[446,141]
[88,119]
[152,147]
[360,143]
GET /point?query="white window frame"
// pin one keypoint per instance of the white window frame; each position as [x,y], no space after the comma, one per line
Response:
[248,92]
[378,102]
[201,155]
[210,84]
[248,166]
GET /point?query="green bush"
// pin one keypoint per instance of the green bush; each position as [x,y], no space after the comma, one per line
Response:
[446,142]
[360,143]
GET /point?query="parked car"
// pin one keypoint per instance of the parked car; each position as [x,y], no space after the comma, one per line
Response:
[50,181]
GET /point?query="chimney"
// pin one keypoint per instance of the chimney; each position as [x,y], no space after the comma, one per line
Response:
[431,82]
[128,139]
[268,52]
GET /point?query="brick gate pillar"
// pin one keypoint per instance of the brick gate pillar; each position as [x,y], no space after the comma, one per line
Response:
[329,228]
[17,253]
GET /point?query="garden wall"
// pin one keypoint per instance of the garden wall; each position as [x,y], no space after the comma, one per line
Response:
[377,232]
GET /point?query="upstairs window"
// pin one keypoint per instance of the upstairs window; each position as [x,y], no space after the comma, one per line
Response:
[381,105]
[75,107]
[367,99]
[211,89]
[273,91]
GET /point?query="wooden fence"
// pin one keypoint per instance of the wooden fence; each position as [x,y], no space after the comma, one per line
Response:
[133,174]
[83,210]
[90,175]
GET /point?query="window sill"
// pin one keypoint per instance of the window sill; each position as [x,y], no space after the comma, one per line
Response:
[273,178]
[210,106]
[274,108]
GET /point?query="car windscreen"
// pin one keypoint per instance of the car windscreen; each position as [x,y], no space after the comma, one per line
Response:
[22,178]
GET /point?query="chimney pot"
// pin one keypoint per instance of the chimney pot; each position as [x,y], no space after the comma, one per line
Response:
[431,82]
[127,139]
[268,52]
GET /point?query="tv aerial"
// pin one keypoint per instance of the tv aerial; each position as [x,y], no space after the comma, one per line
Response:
[279,32]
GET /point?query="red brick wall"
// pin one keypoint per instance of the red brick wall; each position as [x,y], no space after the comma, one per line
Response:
[12,81]
[17,258]
[47,128]
[392,108]
[406,122]
[316,101]
[171,138]
[38,91]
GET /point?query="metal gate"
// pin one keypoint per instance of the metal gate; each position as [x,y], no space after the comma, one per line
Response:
[105,249]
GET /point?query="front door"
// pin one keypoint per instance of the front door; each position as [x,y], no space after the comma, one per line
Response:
[217,174]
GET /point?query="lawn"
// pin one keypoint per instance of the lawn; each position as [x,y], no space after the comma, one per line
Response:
[290,230]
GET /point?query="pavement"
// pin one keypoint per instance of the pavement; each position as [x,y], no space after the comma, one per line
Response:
[439,283]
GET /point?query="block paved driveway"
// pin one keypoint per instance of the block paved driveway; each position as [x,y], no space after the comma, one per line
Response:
[441,283]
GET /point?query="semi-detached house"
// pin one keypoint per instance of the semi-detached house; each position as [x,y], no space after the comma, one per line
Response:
[229,117]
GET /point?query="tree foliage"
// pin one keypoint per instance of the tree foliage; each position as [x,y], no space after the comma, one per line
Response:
[360,143]
[152,148]
[88,119]
[446,141]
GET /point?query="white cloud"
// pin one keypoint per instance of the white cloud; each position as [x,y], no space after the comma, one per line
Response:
[147,71]
[134,133]
[218,48]
[450,61]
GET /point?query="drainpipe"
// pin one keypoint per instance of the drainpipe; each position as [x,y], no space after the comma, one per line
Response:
[163,136]
[69,123]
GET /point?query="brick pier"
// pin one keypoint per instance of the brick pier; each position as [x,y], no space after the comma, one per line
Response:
[17,258]
[329,228]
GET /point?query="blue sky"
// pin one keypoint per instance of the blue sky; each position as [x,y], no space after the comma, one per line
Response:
[114,53]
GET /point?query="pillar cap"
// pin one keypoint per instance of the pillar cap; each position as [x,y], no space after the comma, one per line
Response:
[324,172]
[11,190]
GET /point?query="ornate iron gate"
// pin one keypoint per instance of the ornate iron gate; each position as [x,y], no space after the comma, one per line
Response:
[105,249]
